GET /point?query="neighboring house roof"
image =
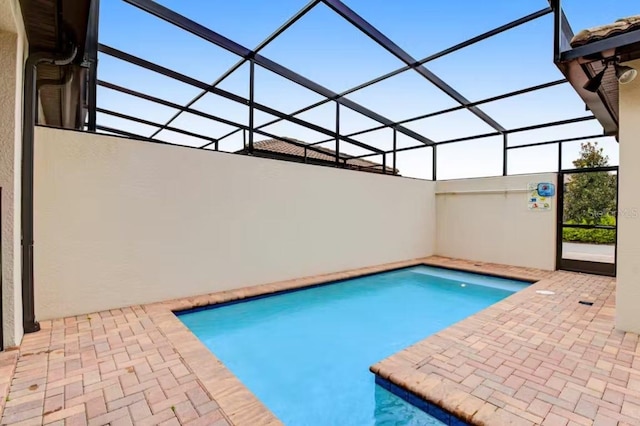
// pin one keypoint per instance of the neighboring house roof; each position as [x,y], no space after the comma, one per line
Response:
[295,148]
[621,26]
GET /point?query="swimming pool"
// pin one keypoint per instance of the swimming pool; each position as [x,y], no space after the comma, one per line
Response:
[306,354]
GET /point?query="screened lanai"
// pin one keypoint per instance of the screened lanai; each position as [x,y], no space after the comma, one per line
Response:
[182,158]
[421,91]
[483,98]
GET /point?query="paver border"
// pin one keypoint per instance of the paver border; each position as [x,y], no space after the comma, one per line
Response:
[239,404]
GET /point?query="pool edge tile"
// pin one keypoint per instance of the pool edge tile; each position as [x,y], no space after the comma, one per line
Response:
[428,407]
[233,397]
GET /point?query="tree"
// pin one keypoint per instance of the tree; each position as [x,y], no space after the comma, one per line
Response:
[590,197]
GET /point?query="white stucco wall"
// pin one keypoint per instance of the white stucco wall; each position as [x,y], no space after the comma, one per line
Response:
[13,49]
[120,222]
[487,219]
[628,280]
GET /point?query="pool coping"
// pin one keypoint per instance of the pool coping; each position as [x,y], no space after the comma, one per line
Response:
[238,403]
[430,408]
[445,398]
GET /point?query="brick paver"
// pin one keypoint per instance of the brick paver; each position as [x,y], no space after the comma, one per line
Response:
[99,369]
[547,359]
[530,359]
[8,360]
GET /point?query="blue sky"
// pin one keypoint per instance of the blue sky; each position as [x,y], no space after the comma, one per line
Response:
[325,48]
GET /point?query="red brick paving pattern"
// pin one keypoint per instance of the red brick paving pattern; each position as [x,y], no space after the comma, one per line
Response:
[530,359]
[8,360]
[113,368]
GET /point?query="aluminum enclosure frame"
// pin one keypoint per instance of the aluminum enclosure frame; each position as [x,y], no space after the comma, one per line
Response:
[254,58]
[559,51]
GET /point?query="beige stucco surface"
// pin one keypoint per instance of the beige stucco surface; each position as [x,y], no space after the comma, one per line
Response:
[8,22]
[628,284]
[12,55]
[120,222]
[488,219]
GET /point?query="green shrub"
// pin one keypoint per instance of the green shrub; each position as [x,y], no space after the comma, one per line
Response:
[592,236]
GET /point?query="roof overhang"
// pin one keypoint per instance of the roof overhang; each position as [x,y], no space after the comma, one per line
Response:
[582,62]
[50,25]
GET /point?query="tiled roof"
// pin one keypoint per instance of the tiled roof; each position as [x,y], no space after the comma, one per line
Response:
[284,146]
[621,26]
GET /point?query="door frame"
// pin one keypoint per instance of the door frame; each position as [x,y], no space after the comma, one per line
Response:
[589,267]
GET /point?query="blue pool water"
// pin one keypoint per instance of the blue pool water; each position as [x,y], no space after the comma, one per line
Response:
[306,354]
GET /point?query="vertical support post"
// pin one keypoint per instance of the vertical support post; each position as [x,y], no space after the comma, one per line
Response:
[29,107]
[559,218]
[244,138]
[505,141]
[337,134]
[615,246]
[91,61]
[92,98]
[395,146]
[384,163]
[434,163]
[559,157]
[557,29]
[252,74]
[215,145]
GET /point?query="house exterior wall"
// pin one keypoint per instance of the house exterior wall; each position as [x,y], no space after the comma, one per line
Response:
[120,222]
[628,280]
[488,219]
[13,51]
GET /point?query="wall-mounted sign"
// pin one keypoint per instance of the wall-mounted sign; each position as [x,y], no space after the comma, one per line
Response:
[537,198]
[546,189]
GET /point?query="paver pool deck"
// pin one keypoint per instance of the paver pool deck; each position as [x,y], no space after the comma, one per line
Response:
[529,359]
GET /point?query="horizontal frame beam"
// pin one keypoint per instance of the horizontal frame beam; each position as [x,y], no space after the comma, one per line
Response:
[154,124]
[239,64]
[452,49]
[169,104]
[372,32]
[223,93]
[459,108]
[579,138]
[190,110]
[470,138]
[522,129]
[587,226]
[130,135]
[435,56]
[205,33]
[494,134]
[487,100]
[592,170]
[136,136]
[552,124]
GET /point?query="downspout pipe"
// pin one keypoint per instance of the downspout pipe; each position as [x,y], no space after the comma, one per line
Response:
[67,78]
[30,102]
